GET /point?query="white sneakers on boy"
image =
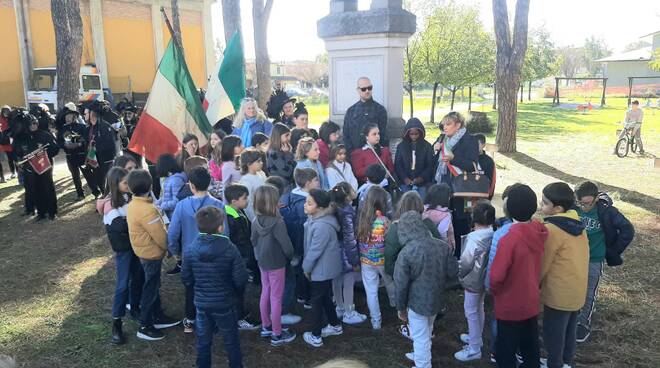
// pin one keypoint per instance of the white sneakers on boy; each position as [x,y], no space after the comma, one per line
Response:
[315,341]
[331,330]
[376,324]
[410,356]
[290,319]
[467,354]
[353,317]
[465,338]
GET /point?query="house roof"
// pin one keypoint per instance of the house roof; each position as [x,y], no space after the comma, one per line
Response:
[642,54]
[651,34]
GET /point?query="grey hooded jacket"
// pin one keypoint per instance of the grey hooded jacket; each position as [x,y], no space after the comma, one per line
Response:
[272,246]
[423,268]
[474,260]
[322,248]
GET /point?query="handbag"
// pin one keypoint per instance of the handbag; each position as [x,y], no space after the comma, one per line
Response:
[471,184]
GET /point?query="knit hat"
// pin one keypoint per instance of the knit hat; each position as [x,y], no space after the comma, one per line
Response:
[521,203]
[71,107]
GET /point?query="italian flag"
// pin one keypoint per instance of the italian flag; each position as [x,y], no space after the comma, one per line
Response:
[227,84]
[173,109]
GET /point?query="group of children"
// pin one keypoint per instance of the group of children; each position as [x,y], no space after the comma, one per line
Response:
[294,222]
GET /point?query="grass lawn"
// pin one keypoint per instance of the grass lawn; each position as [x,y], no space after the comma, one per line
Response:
[58,277]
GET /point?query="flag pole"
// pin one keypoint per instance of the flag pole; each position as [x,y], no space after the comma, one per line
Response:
[169,27]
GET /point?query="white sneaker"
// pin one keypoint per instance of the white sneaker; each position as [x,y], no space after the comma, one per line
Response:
[340,312]
[544,363]
[331,330]
[353,318]
[376,324]
[315,341]
[467,354]
[290,319]
[465,338]
[405,331]
[410,356]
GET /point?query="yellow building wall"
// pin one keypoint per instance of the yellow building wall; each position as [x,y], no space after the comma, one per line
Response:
[193,46]
[11,80]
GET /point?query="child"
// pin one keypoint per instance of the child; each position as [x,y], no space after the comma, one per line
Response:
[126,162]
[362,157]
[149,242]
[372,226]
[413,161]
[514,281]
[215,141]
[471,274]
[301,116]
[232,147]
[609,233]
[307,155]
[322,263]
[328,137]
[273,250]
[183,230]
[215,270]
[279,158]
[260,141]
[239,226]
[249,120]
[252,177]
[338,169]
[375,177]
[128,268]
[215,163]
[422,271]
[175,179]
[343,196]
[296,135]
[293,211]
[189,148]
[437,210]
[564,273]
[279,183]
[487,164]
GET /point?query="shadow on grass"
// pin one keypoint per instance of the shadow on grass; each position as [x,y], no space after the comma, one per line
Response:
[638,199]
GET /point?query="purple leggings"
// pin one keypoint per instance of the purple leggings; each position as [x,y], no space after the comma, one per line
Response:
[270,304]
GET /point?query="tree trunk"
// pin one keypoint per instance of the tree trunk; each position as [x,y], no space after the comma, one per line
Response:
[469,98]
[68,48]
[442,92]
[260,16]
[529,91]
[231,19]
[435,91]
[453,97]
[494,96]
[522,92]
[176,23]
[511,51]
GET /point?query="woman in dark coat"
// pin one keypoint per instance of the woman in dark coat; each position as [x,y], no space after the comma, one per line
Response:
[456,151]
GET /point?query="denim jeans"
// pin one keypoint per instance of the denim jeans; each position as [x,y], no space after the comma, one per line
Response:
[150,301]
[559,329]
[289,296]
[322,307]
[208,322]
[128,287]
[190,303]
[514,336]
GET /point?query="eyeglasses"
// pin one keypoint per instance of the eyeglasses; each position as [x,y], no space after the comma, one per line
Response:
[365,89]
[583,205]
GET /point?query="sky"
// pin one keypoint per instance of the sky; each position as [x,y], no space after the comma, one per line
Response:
[292,26]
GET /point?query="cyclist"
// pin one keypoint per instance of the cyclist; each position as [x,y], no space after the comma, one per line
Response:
[633,120]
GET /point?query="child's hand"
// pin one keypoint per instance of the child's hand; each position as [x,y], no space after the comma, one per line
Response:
[407,181]
[403,315]
[448,157]
[295,261]
[308,275]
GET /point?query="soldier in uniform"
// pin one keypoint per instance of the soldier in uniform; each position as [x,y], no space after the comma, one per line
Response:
[100,138]
[39,188]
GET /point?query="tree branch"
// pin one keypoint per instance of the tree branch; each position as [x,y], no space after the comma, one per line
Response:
[266,11]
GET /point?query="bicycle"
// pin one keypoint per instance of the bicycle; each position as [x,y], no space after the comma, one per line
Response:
[627,142]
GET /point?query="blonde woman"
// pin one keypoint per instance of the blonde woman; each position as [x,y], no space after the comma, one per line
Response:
[250,120]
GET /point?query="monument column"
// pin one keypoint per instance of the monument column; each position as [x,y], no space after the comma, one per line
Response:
[367,43]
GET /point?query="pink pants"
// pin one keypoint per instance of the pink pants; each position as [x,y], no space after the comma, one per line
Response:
[270,304]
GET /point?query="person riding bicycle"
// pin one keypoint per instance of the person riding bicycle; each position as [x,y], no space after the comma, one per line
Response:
[633,120]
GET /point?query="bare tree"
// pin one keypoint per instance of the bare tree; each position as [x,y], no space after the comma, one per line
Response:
[260,16]
[511,51]
[570,60]
[176,23]
[68,48]
[231,18]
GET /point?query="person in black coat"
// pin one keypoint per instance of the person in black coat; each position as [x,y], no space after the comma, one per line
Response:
[362,113]
[413,161]
[100,136]
[39,188]
[487,164]
[72,138]
[42,113]
[455,149]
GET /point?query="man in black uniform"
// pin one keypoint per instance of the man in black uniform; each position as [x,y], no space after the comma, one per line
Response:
[72,138]
[101,139]
[362,113]
[39,188]
[42,113]
[129,119]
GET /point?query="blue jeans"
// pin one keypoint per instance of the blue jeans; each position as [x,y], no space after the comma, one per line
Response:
[419,189]
[150,301]
[207,323]
[128,287]
[289,297]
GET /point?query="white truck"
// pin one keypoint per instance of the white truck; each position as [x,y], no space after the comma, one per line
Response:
[43,87]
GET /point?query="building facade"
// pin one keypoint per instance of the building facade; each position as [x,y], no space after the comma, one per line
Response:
[125,39]
[634,63]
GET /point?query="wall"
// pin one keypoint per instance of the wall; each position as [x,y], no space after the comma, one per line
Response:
[193,45]
[11,83]
[618,72]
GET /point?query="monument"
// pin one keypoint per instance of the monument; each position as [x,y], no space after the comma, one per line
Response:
[367,43]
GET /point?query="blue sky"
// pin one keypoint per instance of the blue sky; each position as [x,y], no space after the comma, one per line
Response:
[292,27]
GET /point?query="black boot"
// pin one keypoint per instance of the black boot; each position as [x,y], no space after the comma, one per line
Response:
[117,333]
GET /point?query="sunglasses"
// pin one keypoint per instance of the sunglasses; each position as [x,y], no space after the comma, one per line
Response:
[365,89]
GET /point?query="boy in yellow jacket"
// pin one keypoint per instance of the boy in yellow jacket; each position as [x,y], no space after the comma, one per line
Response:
[564,271]
[149,242]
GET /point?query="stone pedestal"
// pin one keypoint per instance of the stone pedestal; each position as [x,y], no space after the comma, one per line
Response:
[367,43]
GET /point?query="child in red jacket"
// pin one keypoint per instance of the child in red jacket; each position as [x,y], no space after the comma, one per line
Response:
[514,282]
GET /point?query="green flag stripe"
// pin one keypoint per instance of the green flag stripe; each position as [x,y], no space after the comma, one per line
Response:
[232,71]
[173,67]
